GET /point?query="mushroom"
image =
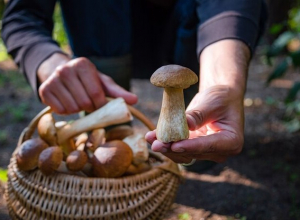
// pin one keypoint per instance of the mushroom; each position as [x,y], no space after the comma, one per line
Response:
[136,169]
[112,159]
[138,145]
[95,139]
[29,152]
[172,124]
[50,159]
[114,112]
[76,160]
[80,141]
[119,132]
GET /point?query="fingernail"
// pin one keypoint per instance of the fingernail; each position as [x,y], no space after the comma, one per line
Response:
[178,149]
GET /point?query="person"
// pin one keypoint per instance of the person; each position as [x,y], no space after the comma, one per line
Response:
[114,39]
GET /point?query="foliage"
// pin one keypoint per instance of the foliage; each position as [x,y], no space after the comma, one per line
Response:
[59,33]
[286,52]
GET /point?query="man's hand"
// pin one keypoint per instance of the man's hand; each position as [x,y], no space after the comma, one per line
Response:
[69,86]
[215,119]
[216,114]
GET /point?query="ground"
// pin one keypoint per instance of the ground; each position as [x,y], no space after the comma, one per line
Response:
[261,183]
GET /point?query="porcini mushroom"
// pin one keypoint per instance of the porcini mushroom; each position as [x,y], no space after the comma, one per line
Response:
[76,160]
[138,145]
[112,159]
[29,152]
[119,132]
[136,169]
[114,112]
[172,124]
[50,159]
[95,139]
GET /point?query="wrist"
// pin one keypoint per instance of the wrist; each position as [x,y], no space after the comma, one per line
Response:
[49,65]
[225,63]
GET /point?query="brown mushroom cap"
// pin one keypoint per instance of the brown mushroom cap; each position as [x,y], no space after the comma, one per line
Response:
[173,76]
[112,159]
[76,160]
[50,159]
[29,152]
[47,130]
[119,132]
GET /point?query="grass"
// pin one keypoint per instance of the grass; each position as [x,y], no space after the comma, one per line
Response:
[3,175]
[19,113]
[184,216]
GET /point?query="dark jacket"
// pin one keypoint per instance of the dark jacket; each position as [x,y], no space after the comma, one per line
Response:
[153,34]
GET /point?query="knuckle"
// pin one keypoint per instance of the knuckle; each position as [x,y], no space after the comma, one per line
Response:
[83,63]
[211,148]
[86,105]
[63,72]
[197,115]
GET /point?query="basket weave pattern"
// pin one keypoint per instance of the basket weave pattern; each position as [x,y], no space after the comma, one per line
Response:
[31,195]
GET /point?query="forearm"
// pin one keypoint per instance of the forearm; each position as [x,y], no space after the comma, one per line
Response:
[27,32]
[225,63]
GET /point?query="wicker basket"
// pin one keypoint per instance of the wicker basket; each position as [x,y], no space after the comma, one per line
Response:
[31,195]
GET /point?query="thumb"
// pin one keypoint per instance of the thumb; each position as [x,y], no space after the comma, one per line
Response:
[114,90]
[195,119]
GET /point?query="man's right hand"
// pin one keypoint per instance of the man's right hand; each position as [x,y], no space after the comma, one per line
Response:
[69,86]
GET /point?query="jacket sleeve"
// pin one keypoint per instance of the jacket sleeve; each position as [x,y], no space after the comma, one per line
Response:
[230,19]
[27,33]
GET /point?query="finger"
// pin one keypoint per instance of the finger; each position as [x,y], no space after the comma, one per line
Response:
[114,90]
[195,119]
[224,142]
[158,146]
[65,98]
[73,84]
[50,100]
[60,98]
[178,158]
[150,136]
[93,87]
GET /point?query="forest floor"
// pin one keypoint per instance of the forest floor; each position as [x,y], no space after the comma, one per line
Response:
[261,183]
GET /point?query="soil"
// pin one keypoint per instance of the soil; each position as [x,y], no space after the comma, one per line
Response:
[261,183]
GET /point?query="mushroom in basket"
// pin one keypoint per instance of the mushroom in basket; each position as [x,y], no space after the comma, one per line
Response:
[112,159]
[29,152]
[114,112]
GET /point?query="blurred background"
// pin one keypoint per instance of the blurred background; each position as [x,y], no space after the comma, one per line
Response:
[262,182]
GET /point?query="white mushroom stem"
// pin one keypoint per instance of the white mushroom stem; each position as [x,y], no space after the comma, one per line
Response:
[172,124]
[138,145]
[114,112]
[81,140]
[95,139]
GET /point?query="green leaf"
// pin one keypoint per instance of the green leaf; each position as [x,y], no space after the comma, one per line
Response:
[279,70]
[292,94]
[296,58]
[276,28]
[3,175]
[280,43]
